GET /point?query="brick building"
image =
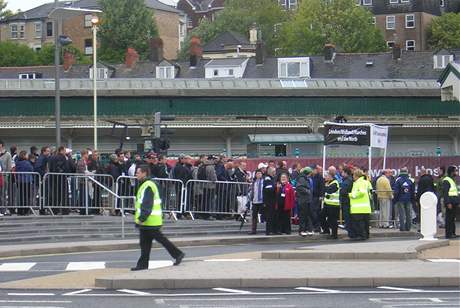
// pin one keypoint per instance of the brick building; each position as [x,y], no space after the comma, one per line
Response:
[196,10]
[34,28]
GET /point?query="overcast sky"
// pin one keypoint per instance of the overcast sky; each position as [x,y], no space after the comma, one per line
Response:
[25,5]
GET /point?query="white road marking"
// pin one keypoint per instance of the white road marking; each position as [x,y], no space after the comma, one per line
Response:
[35,302]
[224,299]
[231,290]
[227,260]
[16,267]
[159,264]
[134,292]
[30,307]
[444,260]
[400,289]
[77,292]
[84,266]
[31,294]
[318,290]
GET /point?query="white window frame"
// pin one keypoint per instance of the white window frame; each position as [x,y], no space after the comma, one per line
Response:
[388,22]
[283,3]
[165,72]
[52,28]
[407,21]
[87,22]
[20,31]
[394,1]
[14,31]
[302,62]
[231,72]
[28,76]
[88,49]
[367,2]
[442,3]
[390,42]
[102,73]
[292,4]
[407,45]
[215,72]
[441,61]
[38,28]
[374,20]
[405,1]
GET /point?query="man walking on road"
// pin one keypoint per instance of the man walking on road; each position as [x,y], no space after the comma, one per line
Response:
[149,219]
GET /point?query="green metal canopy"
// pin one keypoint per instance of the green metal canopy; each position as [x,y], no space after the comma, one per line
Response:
[286,138]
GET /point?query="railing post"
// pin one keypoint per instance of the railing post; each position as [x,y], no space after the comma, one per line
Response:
[85,190]
[122,218]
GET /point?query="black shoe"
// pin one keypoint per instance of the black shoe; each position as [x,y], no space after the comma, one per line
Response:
[332,237]
[325,232]
[134,269]
[179,259]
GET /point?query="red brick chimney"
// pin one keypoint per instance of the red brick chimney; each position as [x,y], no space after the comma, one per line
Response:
[131,57]
[196,51]
[69,60]
[156,50]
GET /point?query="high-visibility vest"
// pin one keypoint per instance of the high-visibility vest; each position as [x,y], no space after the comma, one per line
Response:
[332,199]
[359,198]
[155,218]
[453,190]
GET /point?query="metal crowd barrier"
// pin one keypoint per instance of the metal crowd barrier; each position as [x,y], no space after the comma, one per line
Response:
[205,197]
[20,192]
[72,191]
[171,194]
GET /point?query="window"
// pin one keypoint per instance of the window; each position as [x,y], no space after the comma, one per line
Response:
[165,72]
[102,73]
[405,1]
[292,4]
[38,29]
[88,46]
[367,2]
[30,76]
[88,23]
[283,3]
[390,44]
[441,61]
[230,72]
[393,1]
[293,67]
[189,22]
[442,3]
[374,20]
[49,28]
[410,45]
[17,31]
[216,73]
[410,21]
[391,22]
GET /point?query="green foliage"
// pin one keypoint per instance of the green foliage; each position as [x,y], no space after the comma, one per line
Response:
[125,24]
[444,32]
[239,16]
[339,22]
[14,54]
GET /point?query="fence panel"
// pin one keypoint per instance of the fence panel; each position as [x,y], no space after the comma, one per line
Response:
[72,191]
[206,197]
[171,192]
[20,191]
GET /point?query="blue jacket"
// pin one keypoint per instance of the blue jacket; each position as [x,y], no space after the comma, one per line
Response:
[404,189]
[24,166]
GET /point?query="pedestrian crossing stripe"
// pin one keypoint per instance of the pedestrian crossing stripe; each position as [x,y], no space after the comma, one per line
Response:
[16,267]
[159,264]
[444,260]
[84,266]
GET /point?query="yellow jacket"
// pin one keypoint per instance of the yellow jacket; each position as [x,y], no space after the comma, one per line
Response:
[383,188]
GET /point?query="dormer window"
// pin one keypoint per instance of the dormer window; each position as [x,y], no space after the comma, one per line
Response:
[226,68]
[165,72]
[30,76]
[441,61]
[294,67]
[102,73]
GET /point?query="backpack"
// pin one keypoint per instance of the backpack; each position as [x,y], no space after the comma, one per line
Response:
[201,175]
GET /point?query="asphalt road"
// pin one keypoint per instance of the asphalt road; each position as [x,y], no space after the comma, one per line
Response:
[227,298]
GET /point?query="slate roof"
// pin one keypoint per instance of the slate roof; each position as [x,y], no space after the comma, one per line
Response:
[381,7]
[204,5]
[412,65]
[43,10]
[228,38]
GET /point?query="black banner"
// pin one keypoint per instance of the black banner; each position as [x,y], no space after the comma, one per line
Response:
[347,134]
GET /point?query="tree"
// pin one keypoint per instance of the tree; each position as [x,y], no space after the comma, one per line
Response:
[444,32]
[338,22]
[14,54]
[4,13]
[239,16]
[125,24]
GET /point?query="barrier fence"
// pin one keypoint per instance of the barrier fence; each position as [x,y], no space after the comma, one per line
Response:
[20,191]
[204,197]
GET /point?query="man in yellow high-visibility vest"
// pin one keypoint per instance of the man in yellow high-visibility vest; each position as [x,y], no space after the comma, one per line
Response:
[451,200]
[360,206]
[149,219]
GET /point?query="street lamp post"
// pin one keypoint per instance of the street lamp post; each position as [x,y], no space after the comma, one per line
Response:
[95,22]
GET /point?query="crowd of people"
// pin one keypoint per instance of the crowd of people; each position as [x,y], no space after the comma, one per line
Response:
[274,194]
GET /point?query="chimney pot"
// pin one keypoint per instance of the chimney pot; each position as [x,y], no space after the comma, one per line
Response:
[196,51]
[396,51]
[259,53]
[329,53]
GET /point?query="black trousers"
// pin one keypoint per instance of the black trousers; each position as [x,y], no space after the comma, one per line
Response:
[256,210]
[271,216]
[305,217]
[316,210]
[330,219]
[284,221]
[145,241]
[360,225]
[450,220]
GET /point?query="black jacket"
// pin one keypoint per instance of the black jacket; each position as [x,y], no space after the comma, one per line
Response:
[345,189]
[182,172]
[425,184]
[303,190]
[448,199]
[58,164]
[269,191]
[318,186]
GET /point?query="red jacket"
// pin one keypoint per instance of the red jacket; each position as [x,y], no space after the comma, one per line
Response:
[289,200]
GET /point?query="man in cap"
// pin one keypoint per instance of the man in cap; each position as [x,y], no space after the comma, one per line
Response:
[404,195]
